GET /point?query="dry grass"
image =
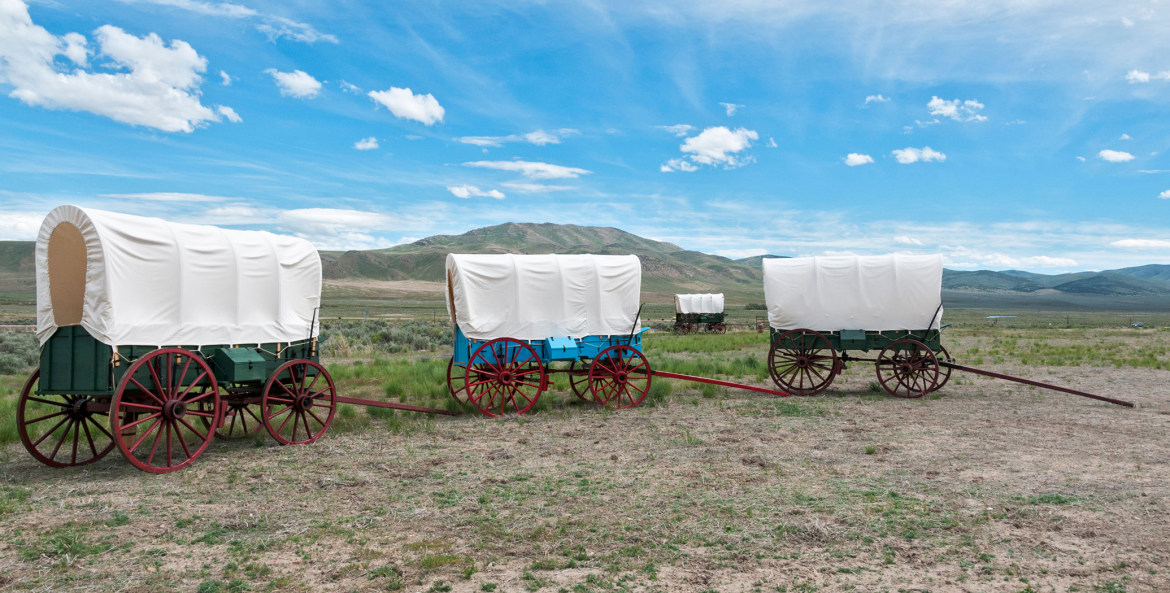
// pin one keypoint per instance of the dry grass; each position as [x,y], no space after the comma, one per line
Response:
[990,486]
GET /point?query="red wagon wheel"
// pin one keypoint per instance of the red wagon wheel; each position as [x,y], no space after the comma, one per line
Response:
[682,328]
[155,407]
[802,362]
[299,402]
[907,368]
[720,328]
[579,381]
[944,372]
[457,381]
[619,377]
[504,375]
[61,430]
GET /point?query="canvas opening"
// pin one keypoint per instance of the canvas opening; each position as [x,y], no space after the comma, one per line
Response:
[450,297]
[67,265]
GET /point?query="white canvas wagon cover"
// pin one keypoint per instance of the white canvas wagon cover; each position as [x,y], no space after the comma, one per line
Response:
[132,280]
[884,292]
[698,303]
[533,297]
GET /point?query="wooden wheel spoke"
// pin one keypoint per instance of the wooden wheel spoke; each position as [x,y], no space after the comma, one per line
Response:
[53,415]
[315,417]
[89,437]
[140,421]
[61,441]
[162,395]
[142,387]
[50,431]
[202,437]
[157,437]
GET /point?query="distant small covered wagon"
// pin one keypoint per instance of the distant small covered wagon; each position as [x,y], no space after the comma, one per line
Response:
[699,312]
[515,315]
[156,336]
[820,308]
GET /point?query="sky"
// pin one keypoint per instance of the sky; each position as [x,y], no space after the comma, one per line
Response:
[1021,134]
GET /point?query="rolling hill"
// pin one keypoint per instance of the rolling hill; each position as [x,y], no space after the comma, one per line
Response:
[668,269]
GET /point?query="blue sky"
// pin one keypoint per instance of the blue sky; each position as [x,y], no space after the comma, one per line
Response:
[1003,134]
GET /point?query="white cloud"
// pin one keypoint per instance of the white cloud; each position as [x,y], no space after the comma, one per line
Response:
[20,225]
[228,113]
[297,83]
[731,108]
[352,89]
[976,258]
[913,155]
[405,104]
[1115,156]
[144,81]
[908,240]
[1136,76]
[332,228]
[1165,195]
[957,110]
[467,191]
[720,146]
[679,130]
[771,142]
[1142,244]
[532,170]
[224,78]
[370,143]
[678,165]
[170,197]
[539,138]
[535,188]
[854,159]
[876,99]
[1081,159]
[273,26]
[1125,137]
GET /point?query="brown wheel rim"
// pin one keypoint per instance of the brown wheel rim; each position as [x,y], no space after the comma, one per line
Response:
[61,430]
[907,368]
[503,376]
[944,372]
[802,362]
[579,381]
[457,381]
[162,410]
[299,402]
[619,377]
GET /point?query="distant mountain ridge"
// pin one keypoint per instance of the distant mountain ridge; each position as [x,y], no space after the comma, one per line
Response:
[666,267]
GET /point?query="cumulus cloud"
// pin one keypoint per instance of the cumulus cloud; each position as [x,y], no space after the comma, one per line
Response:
[228,113]
[716,146]
[1142,244]
[1081,159]
[405,104]
[467,191]
[1165,195]
[539,138]
[1125,137]
[273,26]
[1137,76]
[876,99]
[297,83]
[957,110]
[908,240]
[731,108]
[224,78]
[370,143]
[1115,156]
[913,155]
[854,159]
[19,225]
[335,228]
[532,170]
[144,82]
[350,88]
[679,130]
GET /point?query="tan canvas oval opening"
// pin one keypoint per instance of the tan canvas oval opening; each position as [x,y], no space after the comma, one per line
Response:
[67,265]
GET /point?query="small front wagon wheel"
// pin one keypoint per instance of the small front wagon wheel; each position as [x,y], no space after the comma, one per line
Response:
[299,402]
[619,377]
[61,430]
[907,368]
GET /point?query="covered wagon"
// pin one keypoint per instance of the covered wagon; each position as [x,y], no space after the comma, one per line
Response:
[514,315]
[157,336]
[699,312]
[820,308]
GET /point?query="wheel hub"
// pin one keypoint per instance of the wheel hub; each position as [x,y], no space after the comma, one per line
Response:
[174,409]
[77,407]
[622,376]
[302,403]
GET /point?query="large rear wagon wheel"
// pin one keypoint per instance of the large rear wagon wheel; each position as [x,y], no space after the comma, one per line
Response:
[160,423]
[504,375]
[619,377]
[299,402]
[907,368]
[61,430]
[802,362]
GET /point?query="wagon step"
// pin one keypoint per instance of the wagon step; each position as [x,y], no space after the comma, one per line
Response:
[666,375]
[960,367]
[392,405]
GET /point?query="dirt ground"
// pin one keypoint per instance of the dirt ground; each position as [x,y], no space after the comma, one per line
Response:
[986,486]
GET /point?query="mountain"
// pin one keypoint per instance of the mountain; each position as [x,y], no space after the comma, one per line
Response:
[668,269]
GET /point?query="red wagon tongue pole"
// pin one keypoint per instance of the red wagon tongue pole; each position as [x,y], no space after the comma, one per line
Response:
[1036,384]
[666,375]
[392,405]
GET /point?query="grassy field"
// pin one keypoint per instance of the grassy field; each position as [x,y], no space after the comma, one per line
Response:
[983,486]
